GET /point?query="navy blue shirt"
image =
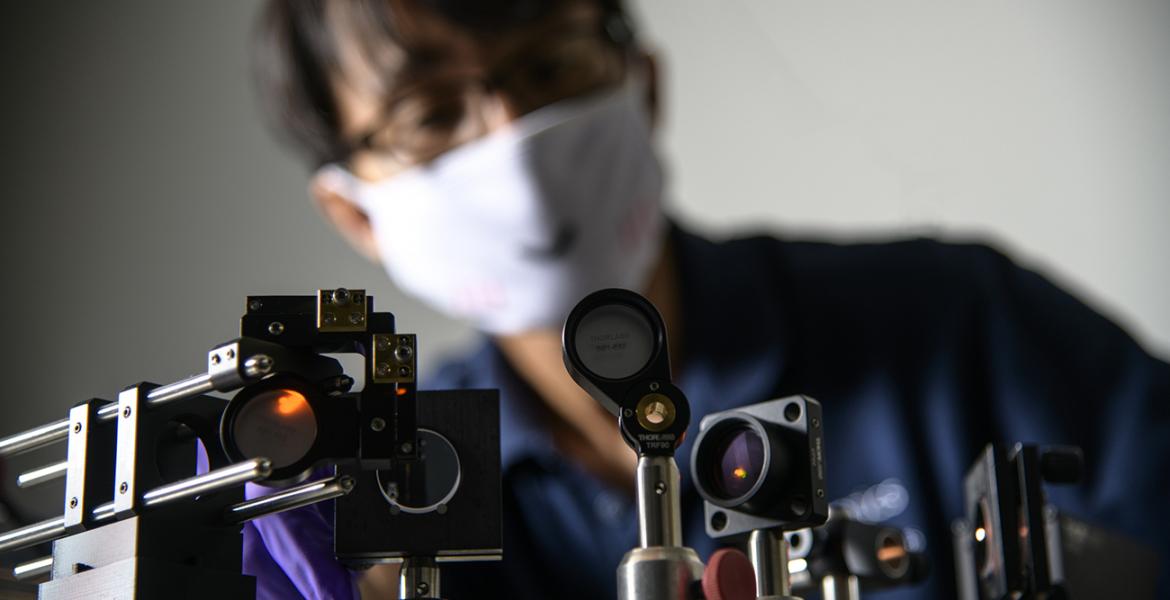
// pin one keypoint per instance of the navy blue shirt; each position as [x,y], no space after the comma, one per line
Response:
[920,353]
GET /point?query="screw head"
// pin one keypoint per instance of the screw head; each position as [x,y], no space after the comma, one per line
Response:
[404,371]
[660,488]
[215,359]
[330,318]
[123,488]
[276,328]
[77,428]
[230,354]
[627,413]
[377,423]
[441,509]
[255,305]
[406,447]
[422,588]
[382,343]
[383,369]
[73,502]
[403,353]
[126,412]
[355,318]
[653,386]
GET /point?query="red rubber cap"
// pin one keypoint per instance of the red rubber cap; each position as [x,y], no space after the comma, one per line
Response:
[729,576]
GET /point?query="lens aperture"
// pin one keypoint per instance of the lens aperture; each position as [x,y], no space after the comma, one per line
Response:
[740,463]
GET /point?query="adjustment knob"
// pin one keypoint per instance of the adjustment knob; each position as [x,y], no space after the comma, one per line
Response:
[729,576]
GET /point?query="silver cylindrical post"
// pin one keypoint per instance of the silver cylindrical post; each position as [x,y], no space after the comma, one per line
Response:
[34,438]
[659,517]
[32,534]
[768,552]
[42,475]
[213,481]
[295,497]
[840,587]
[418,578]
[57,431]
[191,386]
[33,569]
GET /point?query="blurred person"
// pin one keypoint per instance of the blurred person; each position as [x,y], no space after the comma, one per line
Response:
[496,157]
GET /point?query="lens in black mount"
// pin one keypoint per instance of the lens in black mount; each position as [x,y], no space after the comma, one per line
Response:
[739,462]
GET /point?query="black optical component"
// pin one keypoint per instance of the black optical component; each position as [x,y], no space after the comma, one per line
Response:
[761,467]
[290,421]
[615,348]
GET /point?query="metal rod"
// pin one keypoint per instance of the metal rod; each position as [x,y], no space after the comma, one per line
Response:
[34,438]
[212,481]
[768,552]
[659,518]
[42,475]
[226,477]
[191,386]
[103,512]
[295,497]
[57,431]
[418,578]
[33,568]
[32,534]
[840,587]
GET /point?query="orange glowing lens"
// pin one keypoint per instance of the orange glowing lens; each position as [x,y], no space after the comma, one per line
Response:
[740,472]
[290,402]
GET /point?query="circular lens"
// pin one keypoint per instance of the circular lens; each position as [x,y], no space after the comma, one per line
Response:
[276,424]
[739,463]
[614,341]
[423,486]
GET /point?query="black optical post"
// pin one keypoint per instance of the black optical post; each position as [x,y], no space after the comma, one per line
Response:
[615,347]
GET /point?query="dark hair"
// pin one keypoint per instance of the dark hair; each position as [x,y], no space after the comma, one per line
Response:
[297,51]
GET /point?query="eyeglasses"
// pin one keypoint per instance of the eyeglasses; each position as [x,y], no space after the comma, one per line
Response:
[446,108]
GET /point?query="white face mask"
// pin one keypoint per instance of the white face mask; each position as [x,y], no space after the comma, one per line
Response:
[511,230]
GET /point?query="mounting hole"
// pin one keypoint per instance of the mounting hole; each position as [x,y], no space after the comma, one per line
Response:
[718,520]
[792,412]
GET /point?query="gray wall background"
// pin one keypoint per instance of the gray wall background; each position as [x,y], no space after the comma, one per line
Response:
[143,200]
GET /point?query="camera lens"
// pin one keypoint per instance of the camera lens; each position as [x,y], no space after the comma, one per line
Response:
[740,463]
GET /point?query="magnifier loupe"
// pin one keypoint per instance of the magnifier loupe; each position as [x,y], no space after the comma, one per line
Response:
[615,348]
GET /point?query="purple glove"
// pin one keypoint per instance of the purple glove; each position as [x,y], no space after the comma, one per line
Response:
[291,554]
